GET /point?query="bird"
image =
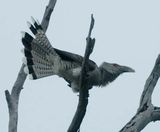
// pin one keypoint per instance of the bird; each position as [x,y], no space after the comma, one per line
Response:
[41,60]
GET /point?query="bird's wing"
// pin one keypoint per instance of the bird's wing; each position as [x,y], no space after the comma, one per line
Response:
[68,56]
[42,59]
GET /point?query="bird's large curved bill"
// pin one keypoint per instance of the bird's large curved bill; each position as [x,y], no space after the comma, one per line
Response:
[128,69]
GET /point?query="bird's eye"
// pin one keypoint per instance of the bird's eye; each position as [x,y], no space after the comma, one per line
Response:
[115,65]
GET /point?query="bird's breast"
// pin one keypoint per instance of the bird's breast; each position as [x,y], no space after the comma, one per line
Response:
[76,72]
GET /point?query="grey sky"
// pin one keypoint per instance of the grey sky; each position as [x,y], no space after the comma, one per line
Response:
[126,32]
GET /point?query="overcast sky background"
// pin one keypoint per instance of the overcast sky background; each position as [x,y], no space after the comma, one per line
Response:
[127,32]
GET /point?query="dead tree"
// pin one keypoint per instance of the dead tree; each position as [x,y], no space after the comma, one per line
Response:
[146,112]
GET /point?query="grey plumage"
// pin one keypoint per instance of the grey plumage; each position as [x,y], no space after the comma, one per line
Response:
[42,60]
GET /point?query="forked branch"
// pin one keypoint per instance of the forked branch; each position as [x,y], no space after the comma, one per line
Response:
[146,112]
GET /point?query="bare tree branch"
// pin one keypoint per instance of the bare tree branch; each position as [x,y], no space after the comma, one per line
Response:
[156,114]
[150,85]
[146,112]
[84,90]
[47,14]
[13,98]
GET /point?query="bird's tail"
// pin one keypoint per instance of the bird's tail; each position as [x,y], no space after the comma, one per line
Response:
[39,54]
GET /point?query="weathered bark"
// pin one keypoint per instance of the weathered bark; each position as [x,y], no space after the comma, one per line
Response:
[84,90]
[13,98]
[146,112]
[47,14]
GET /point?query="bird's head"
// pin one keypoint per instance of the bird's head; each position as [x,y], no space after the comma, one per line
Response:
[115,68]
[110,71]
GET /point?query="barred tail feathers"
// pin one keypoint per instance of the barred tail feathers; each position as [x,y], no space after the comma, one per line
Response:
[37,66]
[38,52]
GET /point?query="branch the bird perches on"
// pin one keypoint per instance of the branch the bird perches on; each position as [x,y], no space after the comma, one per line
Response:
[84,90]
